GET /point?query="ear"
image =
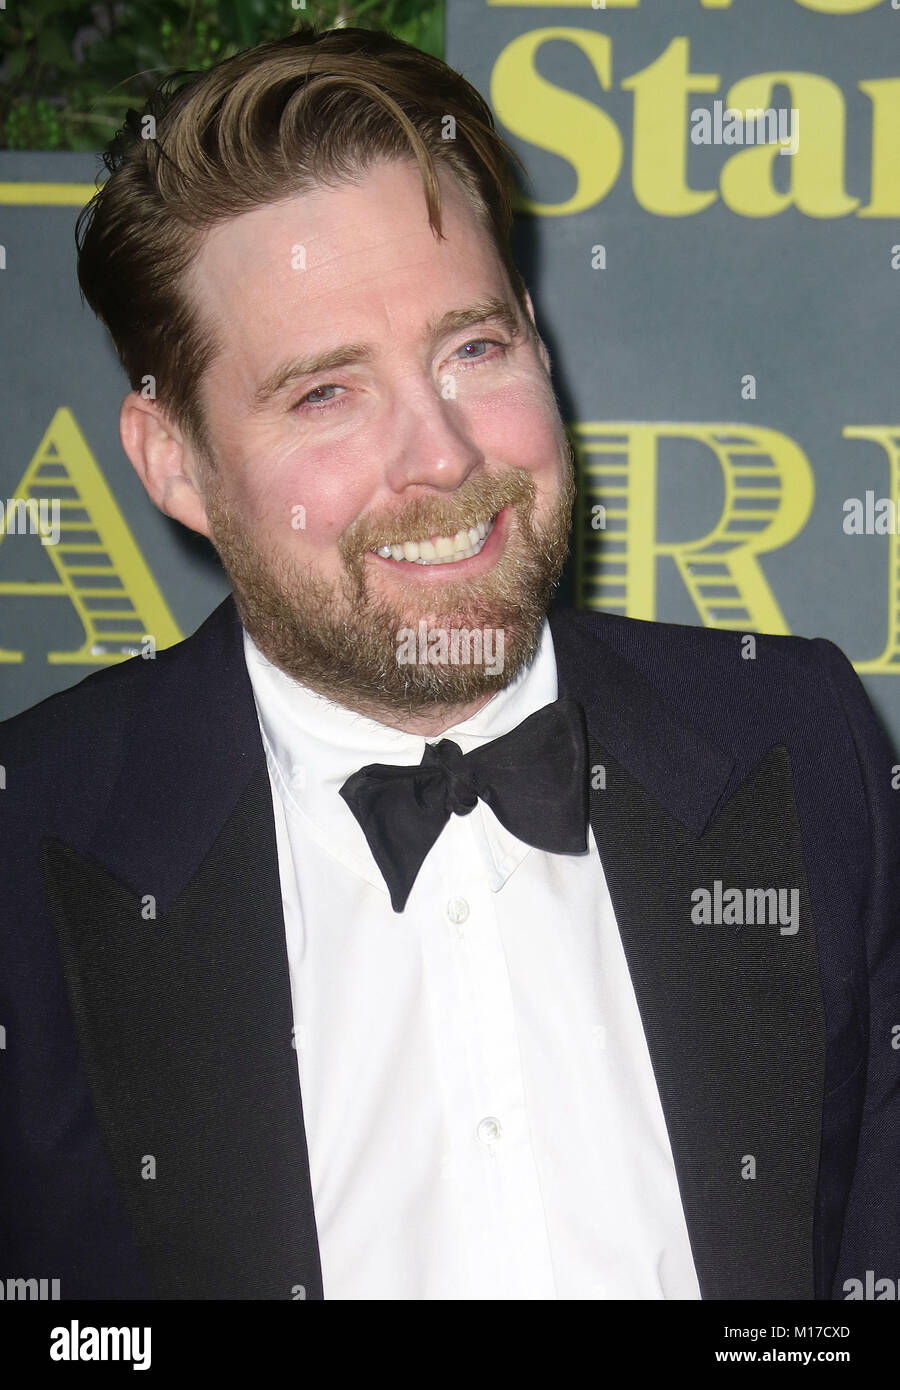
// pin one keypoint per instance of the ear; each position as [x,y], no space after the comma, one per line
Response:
[164,461]
[542,347]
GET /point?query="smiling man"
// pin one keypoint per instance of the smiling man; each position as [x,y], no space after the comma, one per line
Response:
[428,465]
[352,945]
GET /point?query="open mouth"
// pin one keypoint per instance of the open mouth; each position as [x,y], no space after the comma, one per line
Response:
[441,550]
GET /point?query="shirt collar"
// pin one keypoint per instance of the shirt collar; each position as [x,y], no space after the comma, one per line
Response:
[313,745]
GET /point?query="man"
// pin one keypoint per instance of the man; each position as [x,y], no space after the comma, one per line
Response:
[385,939]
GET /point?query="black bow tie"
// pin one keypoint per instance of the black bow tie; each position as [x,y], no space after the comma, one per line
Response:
[534,779]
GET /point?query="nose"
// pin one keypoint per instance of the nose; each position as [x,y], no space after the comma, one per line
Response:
[432,445]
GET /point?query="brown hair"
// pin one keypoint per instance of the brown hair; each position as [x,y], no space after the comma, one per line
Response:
[312,108]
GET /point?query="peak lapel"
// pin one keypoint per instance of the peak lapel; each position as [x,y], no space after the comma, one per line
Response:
[184,1018]
[732,1014]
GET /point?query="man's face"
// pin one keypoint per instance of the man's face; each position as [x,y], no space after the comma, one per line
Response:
[412,427]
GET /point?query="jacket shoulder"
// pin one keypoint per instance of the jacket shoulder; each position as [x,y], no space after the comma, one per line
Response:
[102,702]
[643,641]
[62,752]
[747,690]
[86,720]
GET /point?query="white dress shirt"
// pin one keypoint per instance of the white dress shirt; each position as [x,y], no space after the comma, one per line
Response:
[480,1108]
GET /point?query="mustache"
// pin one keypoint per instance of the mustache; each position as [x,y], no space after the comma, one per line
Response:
[478,499]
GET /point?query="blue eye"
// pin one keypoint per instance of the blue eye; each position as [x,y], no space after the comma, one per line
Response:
[475,342]
[309,400]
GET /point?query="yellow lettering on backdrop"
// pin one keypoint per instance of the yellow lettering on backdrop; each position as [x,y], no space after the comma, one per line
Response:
[839,6]
[553,119]
[769,493]
[659,146]
[97,563]
[884,95]
[888,436]
[816,170]
[579,131]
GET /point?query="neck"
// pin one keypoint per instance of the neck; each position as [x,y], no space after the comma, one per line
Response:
[427,723]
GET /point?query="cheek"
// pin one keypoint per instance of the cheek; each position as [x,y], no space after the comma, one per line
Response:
[300,496]
[521,427]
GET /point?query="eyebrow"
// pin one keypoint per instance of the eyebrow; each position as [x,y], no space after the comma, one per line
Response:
[490,310]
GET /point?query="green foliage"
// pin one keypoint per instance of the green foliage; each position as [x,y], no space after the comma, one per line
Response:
[71,68]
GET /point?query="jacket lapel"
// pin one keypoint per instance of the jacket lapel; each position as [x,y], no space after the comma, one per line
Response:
[732,1014]
[171,930]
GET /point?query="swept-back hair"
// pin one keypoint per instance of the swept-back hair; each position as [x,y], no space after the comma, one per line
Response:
[315,108]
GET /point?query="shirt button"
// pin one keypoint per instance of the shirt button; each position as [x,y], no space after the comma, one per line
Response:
[489,1130]
[457,910]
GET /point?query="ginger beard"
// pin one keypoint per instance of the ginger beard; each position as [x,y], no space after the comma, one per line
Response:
[341,638]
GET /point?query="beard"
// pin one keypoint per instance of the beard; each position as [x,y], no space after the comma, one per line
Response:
[341,639]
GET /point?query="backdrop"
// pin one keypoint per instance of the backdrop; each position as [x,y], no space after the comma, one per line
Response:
[711,235]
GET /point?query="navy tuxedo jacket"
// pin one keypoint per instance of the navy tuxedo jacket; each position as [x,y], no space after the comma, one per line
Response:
[152,1141]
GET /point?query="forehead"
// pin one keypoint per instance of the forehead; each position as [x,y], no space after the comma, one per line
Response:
[341,260]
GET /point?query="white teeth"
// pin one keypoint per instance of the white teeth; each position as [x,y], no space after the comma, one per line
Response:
[444,550]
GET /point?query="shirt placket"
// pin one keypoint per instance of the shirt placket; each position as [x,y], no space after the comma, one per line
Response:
[490,1160]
